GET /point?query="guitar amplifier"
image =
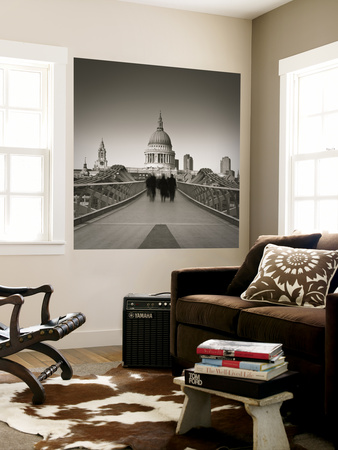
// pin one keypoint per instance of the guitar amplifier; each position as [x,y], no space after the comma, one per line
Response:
[146,330]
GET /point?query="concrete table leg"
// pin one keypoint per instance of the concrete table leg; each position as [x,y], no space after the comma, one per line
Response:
[196,410]
[268,428]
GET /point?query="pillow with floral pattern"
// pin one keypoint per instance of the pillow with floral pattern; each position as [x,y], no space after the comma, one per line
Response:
[293,276]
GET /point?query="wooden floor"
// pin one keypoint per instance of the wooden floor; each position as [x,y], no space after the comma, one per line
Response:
[33,360]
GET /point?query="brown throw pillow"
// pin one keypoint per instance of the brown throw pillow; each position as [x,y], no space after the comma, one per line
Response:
[248,269]
[293,276]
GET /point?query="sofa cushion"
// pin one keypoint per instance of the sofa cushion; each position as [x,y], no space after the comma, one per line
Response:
[293,276]
[219,312]
[301,330]
[249,268]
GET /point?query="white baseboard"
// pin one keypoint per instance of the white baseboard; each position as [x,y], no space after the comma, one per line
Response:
[82,339]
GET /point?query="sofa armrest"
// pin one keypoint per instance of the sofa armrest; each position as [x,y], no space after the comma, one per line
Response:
[331,359]
[196,280]
[331,356]
[201,280]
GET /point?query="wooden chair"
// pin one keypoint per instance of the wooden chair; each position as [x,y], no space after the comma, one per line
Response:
[13,339]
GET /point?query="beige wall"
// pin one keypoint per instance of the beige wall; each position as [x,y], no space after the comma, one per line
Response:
[95,281]
[296,27]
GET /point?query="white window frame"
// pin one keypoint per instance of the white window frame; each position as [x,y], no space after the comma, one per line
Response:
[288,67]
[58,58]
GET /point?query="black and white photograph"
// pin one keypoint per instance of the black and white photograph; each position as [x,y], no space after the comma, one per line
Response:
[156,156]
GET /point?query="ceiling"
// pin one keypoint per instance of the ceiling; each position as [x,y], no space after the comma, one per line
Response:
[242,9]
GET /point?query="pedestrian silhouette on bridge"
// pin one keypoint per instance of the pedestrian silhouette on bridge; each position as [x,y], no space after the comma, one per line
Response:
[151,187]
[171,187]
[163,186]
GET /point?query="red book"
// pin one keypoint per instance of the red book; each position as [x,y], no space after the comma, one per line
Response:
[239,349]
[248,364]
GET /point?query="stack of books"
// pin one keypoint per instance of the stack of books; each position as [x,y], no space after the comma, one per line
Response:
[255,360]
[254,369]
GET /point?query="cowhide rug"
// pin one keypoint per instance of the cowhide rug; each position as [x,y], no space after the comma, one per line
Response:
[126,408]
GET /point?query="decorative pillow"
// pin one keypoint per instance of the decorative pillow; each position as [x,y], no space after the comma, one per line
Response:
[293,276]
[248,269]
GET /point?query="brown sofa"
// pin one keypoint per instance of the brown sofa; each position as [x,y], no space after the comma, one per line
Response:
[206,303]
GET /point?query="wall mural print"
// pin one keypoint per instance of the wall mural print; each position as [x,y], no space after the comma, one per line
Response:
[156,157]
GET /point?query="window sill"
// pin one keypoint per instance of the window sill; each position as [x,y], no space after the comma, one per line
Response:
[30,248]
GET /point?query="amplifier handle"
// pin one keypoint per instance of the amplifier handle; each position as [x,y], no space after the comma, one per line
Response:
[159,293]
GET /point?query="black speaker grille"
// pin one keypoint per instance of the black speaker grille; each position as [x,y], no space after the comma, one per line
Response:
[146,339]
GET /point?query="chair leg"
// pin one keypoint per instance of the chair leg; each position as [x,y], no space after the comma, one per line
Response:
[67,371]
[25,375]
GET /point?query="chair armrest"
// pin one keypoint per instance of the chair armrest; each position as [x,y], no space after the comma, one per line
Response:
[17,301]
[331,352]
[46,289]
[5,291]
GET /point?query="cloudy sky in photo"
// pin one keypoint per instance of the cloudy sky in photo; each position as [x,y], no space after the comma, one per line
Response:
[120,103]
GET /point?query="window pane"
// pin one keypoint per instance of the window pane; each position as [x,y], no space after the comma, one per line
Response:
[24,89]
[304,178]
[1,128]
[328,215]
[29,126]
[2,173]
[330,130]
[304,217]
[310,94]
[310,135]
[328,176]
[26,174]
[26,217]
[2,97]
[331,90]
[2,215]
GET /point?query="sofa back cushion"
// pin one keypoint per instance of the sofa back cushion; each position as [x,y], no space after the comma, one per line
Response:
[249,268]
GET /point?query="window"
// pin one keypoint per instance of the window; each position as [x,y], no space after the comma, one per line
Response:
[32,148]
[308,193]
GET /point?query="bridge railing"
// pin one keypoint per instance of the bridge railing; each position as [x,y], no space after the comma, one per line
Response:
[222,200]
[94,199]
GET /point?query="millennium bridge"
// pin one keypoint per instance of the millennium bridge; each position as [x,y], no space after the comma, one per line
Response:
[113,211]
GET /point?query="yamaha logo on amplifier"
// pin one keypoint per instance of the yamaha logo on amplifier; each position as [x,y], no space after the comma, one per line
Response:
[146,329]
[140,315]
